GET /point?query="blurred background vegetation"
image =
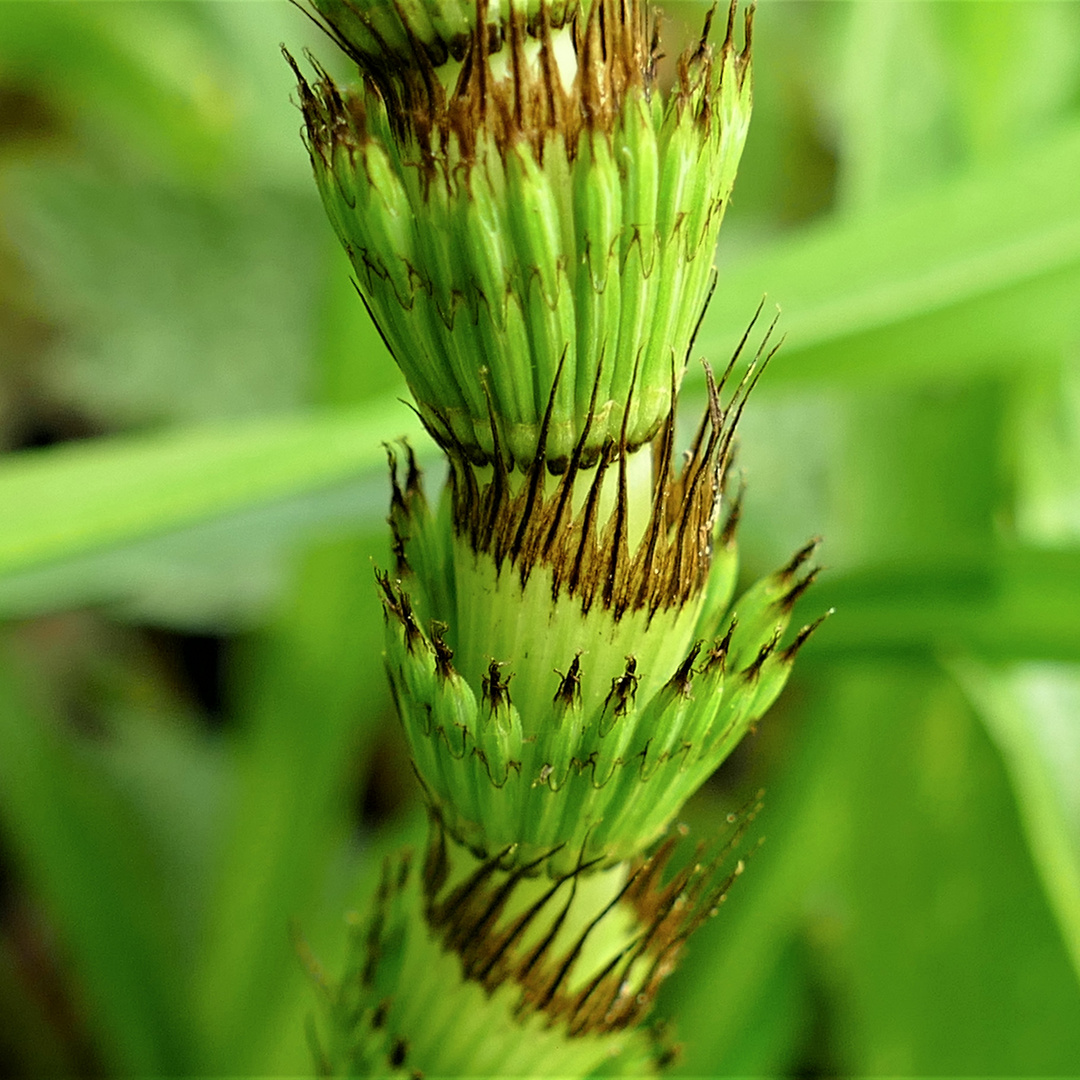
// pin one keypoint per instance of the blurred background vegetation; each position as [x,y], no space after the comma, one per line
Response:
[196,746]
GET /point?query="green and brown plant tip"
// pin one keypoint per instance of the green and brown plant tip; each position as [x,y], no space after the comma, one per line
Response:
[538,206]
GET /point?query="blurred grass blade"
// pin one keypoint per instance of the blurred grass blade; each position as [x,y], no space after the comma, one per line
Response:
[69,500]
[93,866]
[1032,712]
[1018,604]
[221,574]
[978,268]
[718,987]
[310,696]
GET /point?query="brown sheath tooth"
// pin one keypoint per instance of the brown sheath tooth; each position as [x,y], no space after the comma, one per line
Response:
[683,678]
[788,655]
[569,693]
[470,918]
[590,558]
[616,46]
[496,689]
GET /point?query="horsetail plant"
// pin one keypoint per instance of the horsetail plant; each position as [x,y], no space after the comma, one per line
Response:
[532,219]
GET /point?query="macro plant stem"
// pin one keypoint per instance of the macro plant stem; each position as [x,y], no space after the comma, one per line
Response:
[531,216]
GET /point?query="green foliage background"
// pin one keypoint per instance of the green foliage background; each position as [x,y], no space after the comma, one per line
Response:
[175,314]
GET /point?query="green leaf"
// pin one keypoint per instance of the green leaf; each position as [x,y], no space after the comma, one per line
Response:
[731,963]
[1046,449]
[1003,98]
[895,857]
[1020,603]
[66,501]
[221,574]
[190,90]
[976,272]
[97,870]
[27,1043]
[891,105]
[1031,712]
[177,305]
[945,956]
[309,698]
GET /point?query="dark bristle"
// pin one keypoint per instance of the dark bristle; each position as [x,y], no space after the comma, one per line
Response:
[623,690]
[444,655]
[800,557]
[716,657]
[615,46]
[473,919]
[804,635]
[569,693]
[683,678]
[791,597]
[753,669]
[494,688]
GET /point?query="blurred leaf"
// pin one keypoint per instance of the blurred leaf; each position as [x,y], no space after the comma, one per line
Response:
[976,272]
[790,444]
[734,962]
[1033,714]
[1045,447]
[354,364]
[265,121]
[66,501]
[1005,97]
[174,305]
[309,696]
[89,62]
[221,574]
[98,872]
[771,1037]
[893,117]
[185,91]
[27,1043]
[894,853]
[174,780]
[913,479]
[944,956]
[1019,604]
[911,505]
